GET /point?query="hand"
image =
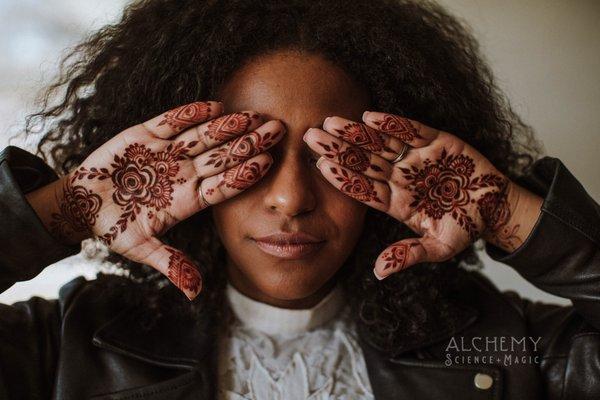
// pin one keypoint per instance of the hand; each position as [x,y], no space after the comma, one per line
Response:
[151,176]
[443,189]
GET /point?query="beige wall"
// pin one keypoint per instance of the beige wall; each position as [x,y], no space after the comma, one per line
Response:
[546,55]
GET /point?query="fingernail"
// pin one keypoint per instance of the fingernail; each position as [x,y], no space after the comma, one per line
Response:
[365,114]
[377,275]
[325,121]
[320,161]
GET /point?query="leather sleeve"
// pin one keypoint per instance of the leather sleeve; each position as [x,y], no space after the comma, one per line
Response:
[26,246]
[29,330]
[562,256]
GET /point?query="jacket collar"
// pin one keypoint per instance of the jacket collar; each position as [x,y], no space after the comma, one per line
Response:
[178,344]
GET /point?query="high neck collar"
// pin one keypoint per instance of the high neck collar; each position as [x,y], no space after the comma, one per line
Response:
[276,320]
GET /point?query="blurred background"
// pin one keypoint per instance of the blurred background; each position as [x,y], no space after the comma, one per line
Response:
[545,54]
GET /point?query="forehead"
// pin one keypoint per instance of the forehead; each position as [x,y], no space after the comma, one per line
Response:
[299,88]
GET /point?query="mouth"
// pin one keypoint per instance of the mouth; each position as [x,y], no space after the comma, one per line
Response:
[289,245]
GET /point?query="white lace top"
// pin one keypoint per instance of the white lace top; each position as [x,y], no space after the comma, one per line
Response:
[284,354]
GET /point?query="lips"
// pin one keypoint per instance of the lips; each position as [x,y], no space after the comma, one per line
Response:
[289,245]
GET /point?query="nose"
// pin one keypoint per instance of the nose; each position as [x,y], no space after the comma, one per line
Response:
[290,187]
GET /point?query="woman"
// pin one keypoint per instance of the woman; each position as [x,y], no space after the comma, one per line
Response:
[309,175]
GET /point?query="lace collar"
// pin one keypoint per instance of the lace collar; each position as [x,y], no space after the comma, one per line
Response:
[275,320]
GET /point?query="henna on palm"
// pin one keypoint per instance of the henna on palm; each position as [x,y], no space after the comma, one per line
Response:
[140,178]
[446,186]
[494,209]
[242,148]
[352,157]
[79,209]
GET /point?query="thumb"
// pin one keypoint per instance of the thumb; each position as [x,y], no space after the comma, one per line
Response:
[173,264]
[406,253]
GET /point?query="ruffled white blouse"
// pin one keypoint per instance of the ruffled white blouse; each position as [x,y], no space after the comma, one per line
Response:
[286,354]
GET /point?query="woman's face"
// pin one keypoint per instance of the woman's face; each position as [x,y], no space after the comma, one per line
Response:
[301,90]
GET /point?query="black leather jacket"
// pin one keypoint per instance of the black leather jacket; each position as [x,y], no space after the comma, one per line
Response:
[86,345]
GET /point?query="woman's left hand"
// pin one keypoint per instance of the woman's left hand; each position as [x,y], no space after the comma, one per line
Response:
[443,188]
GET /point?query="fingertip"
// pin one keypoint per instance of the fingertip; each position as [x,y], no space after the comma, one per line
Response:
[379,277]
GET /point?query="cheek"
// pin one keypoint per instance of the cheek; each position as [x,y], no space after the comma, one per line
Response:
[346,214]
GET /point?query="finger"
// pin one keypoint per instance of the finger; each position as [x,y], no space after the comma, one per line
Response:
[239,149]
[233,181]
[362,188]
[408,252]
[176,120]
[404,129]
[220,130]
[172,263]
[363,136]
[347,155]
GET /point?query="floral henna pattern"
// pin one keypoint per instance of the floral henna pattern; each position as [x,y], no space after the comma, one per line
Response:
[356,186]
[495,213]
[228,126]
[140,178]
[79,209]
[396,256]
[445,187]
[242,148]
[181,117]
[352,157]
[363,136]
[242,176]
[398,127]
[184,274]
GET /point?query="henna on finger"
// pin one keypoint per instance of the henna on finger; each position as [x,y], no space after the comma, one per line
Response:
[355,185]
[182,117]
[242,148]
[184,274]
[351,157]
[398,127]
[229,126]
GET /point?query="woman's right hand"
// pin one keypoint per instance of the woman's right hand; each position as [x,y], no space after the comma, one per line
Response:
[149,177]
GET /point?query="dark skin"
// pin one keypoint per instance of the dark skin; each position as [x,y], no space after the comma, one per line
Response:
[257,171]
[300,90]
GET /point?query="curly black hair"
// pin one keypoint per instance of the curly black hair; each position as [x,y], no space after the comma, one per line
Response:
[414,58]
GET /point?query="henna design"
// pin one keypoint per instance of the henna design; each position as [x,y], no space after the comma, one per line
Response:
[181,117]
[398,127]
[495,213]
[140,178]
[78,207]
[183,273]
[445,187]
[363,136]
[356,186]
[242,148]
[396,256]
[242,176]
[228,126]
[353,157]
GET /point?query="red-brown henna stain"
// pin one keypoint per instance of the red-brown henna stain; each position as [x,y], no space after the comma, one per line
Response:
[242,148]
[363,136]
[398,127]
[78,207]
[445,187]
[356,186]
[495,212]
[352,157]
[181,117]
[183,274]
[242,176]
[396,256]
[141,178]
[228,126]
